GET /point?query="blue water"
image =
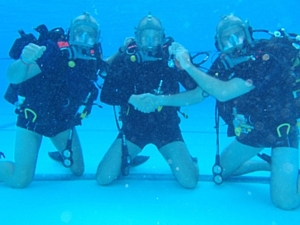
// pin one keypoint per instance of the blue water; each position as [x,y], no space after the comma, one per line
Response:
[189,22]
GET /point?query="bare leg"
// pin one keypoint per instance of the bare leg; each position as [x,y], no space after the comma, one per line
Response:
[285,184]
[21,173]
[60,142]
[235,160]
[179,159]
[110,166]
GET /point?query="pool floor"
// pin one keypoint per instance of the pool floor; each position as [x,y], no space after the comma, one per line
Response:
[149,195]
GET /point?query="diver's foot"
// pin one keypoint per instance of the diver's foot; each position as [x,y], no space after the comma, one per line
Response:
[138,160]
[265,157]
[195,159]
[2,155]
[56,156]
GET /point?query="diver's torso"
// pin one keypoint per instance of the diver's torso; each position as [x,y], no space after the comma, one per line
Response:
[60,91]
[271,101]
[155,78]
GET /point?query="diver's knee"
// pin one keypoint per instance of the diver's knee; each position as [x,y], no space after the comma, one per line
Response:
[77,170]
[288,203]
[20,183]
[78,173]
[104,180]
[285,205]
[188,183]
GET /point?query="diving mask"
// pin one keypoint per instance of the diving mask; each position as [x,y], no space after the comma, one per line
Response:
[84,31]
[84,35]
[149,35]
[150,40]
[231,39]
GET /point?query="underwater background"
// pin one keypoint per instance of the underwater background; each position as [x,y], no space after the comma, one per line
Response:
[191,23]
[147,201]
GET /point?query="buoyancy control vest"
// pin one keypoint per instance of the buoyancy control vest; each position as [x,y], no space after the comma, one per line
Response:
[15,92]
[274,64]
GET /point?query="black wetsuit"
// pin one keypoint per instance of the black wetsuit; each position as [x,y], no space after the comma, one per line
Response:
[268,105]
[126,78]
[53,97]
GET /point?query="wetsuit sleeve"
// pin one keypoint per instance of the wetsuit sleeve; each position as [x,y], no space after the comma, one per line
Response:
[51,60]
[215,68]
[186,81]
[117,89]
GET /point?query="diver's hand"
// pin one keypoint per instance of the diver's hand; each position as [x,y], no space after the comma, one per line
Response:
[145,103]
[181,55]
[127,41]
[121,50]
[31,53]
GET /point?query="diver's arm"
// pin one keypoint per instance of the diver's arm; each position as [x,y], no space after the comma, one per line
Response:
[25,67]
[18,71]
[221,90]
[118,85]
[147,102]
[111,58]
[186,98]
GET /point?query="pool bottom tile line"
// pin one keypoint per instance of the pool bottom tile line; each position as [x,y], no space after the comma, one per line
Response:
[149,177]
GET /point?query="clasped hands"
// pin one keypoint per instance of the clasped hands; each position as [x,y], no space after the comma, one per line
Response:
[145,103]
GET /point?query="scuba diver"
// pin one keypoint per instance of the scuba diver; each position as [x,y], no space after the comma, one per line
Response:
[139,69]
[55,87]
[253,82]
[84,37]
